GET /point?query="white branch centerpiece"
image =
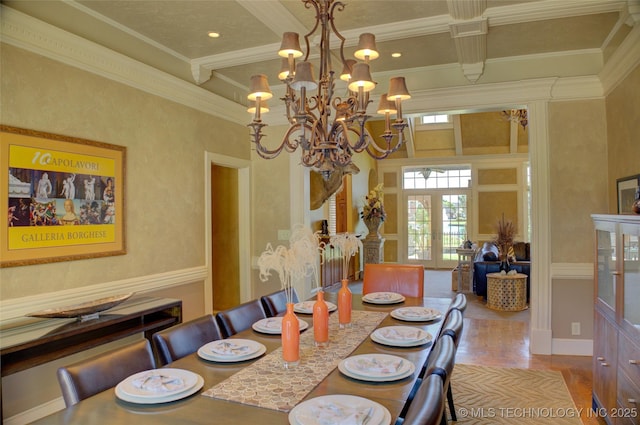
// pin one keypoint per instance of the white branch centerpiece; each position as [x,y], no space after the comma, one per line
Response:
[348,244]
[292,264]
[309,250]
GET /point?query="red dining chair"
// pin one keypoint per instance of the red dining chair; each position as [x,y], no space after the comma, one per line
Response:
[92,376]
[181,340]
[405,279]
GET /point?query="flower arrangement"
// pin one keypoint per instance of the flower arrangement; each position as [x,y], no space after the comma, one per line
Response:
[293,263]
[348,244]
[373,205]
[506,232]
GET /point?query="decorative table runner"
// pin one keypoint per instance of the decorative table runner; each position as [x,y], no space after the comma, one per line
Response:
[267,384]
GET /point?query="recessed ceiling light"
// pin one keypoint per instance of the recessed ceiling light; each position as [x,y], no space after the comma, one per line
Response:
[213,34]
[396,54]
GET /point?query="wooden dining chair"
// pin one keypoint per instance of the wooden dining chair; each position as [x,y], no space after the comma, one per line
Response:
[91,376]
[241,317]
[405,279]
[427,406]
[181,340]
[276,302]
[441,362]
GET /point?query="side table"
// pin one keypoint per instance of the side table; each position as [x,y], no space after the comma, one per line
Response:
[507,292]
[465,261]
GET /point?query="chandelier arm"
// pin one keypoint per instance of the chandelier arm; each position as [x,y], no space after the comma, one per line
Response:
[377,152]
[308,4]
[340,6]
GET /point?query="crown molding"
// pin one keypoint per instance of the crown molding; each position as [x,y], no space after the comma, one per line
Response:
[625,59]
[33,35]
[550,9]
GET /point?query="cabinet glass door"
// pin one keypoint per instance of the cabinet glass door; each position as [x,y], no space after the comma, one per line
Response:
[631,269]
[607,267]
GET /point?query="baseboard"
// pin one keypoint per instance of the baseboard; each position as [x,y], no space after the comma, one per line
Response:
[36,413]
[572,347]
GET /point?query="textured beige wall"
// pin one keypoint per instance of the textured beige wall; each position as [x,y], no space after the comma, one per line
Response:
[578,177]
[572,292]
[623,133]
[164,182]
[270,205]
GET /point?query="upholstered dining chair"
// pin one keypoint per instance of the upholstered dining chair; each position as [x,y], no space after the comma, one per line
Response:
[94,375]
[405,279]
[181,340]
[427,406]
[441,362]
[276,302]
[459,302]
[241,317]
[453,325]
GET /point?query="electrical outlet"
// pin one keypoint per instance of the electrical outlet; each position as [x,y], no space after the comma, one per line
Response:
[575,328]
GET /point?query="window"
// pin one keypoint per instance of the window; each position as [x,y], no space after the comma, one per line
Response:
[437,177]
[333,218]
[435,119]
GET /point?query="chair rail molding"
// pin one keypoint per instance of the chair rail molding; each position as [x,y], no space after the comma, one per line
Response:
[17,308]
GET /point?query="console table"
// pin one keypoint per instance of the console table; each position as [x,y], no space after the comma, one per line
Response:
[36,341]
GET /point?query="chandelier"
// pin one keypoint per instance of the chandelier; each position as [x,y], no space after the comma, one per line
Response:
[328,128]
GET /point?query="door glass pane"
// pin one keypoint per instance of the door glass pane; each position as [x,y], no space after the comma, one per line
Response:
[631,279]
[454,224]
[419,227]
[606,266]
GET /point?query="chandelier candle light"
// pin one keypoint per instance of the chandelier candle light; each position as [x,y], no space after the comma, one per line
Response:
[328,128]
[348,244]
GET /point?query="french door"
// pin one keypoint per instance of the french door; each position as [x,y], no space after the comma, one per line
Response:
[436,223]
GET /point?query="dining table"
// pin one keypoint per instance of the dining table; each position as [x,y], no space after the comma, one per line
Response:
[230,389]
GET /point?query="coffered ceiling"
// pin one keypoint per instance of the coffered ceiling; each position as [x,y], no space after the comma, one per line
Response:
[444,43]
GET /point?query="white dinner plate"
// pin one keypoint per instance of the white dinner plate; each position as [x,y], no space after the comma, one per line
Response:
[161,399]
[376,367]
[273,325]
[401,336]
[306,307]
[211,350]
[383,298]
[317,411]
[416,314]
[158,383]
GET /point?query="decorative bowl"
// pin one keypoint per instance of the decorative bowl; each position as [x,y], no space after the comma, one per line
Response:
[89,308]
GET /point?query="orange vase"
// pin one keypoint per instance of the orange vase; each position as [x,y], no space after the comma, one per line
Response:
[290,338]
[320,321]
[344,305]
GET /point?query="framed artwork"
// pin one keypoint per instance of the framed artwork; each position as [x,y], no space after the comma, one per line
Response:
[64,198]
[627,187]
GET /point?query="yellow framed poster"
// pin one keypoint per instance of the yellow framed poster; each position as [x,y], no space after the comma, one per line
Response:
[65,198]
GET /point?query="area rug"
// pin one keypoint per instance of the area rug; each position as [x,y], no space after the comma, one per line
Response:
[494,395]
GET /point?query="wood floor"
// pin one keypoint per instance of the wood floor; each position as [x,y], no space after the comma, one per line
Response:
[505,343]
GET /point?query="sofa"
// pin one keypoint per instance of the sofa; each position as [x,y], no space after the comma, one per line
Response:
[487,260]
